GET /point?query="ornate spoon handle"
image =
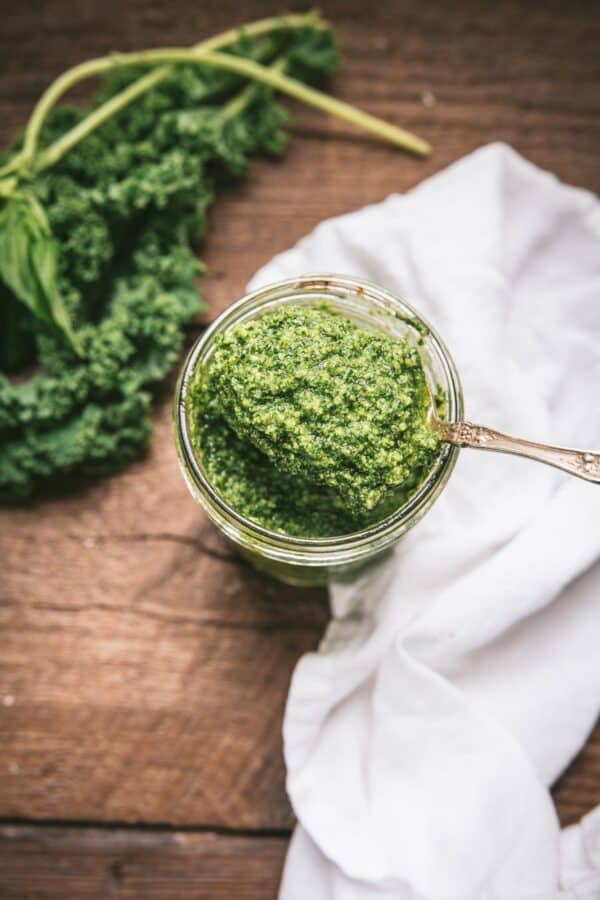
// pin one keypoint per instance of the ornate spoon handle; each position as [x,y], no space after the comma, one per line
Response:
[582,463]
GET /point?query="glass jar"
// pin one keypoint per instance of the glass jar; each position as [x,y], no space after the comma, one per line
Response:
[308,561]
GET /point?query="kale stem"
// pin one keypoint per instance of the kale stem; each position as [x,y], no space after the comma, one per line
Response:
[237,104]
[102,64]
[12,165]
[255,71]
[311,97]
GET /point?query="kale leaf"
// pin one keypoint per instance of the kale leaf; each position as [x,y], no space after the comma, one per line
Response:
[28,261]
[116,220]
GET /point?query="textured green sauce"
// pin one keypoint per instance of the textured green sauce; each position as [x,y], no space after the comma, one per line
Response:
[310,425]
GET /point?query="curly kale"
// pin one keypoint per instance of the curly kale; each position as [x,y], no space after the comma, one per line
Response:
[125,207]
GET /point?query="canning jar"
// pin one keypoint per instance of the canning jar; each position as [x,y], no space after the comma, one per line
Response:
[304,560]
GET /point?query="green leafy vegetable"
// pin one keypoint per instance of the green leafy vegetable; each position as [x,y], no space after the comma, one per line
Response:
[28,261]
[99,212]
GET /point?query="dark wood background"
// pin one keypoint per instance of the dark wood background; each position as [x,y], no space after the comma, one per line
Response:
[143,668]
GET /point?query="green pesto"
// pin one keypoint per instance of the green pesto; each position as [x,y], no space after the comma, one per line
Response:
[310,425]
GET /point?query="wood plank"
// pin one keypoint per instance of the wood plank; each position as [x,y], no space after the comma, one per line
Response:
[462,76]
[578,789]
[142,670]
[143,667]
[128,864]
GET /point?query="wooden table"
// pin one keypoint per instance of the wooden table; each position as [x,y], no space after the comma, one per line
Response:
[144,668]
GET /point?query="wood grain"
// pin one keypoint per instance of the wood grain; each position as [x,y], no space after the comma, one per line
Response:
[143,667]
[143,670]
[131,864]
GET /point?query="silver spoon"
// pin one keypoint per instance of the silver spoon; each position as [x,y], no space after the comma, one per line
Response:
[582,463]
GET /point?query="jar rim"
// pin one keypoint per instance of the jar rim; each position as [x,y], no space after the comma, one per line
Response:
[386,530]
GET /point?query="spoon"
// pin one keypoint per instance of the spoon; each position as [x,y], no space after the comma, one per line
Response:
[582,463]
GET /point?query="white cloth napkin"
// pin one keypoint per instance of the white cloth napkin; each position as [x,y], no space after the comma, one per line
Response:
[459,677]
